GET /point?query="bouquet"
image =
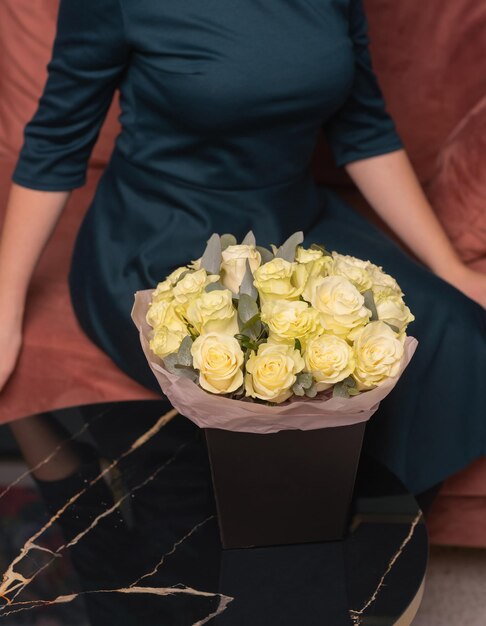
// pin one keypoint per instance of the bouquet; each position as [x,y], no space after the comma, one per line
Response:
[284,331]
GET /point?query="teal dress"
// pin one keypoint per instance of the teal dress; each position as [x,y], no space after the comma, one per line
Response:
[222,103]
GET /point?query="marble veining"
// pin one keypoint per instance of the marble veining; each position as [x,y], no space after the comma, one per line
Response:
[14,582]
[357,615]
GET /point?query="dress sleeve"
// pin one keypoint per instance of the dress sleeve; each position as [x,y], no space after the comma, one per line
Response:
[89,56]
[362,126]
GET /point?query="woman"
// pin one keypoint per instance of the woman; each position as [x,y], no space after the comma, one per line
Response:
[222,103]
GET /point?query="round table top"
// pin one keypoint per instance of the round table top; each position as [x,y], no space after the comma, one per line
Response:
[134,540]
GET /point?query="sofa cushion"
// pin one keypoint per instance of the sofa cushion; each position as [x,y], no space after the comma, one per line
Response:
[428,57]
[458,521]
[458,188]
[27,29]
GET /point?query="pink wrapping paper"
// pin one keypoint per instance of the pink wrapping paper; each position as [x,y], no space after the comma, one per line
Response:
[212,411]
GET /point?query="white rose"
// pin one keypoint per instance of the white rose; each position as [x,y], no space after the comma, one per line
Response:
[355,270]
[341,305]
[213,311]
[383,285]
[330,359]
[168,336]
[314,261]
[394,311]
[157,311]
[280,280]
[378,351]
[192,284]
[165,313]
[307,255]
[164,289]
[219,359]
[290,320]
[272,371]
[233,267]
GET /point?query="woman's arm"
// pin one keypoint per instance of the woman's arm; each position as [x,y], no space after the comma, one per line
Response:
[390,185]
[30,218]
[90,56]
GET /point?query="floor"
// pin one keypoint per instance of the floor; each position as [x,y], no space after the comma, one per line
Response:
[455,589]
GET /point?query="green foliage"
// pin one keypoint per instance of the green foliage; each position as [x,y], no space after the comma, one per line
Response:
[288,249]
[298,389]
[215,287]
[345,388]
[305,379]
[369,301]
[180,363]
[247,287]
[249,239]
[211,259]
[188,271]
[184,354]
[304,385]
[247,308]
[227,240]
[266,254]
[312,391]
[246,342]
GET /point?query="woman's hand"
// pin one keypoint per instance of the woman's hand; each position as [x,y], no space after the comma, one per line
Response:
[469,281]
[10,345]
[390,185]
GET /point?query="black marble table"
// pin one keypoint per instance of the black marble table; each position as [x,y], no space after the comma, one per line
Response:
[124,532]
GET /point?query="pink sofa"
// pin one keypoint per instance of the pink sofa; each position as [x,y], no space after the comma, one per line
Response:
[426,56]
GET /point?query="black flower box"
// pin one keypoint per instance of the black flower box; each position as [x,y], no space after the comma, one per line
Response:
[288,487]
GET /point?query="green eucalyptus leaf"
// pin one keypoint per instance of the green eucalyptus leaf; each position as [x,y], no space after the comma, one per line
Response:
[369,301]
[251,322]
[265,330]
[298,345]
[249,239]
[188,271]
[187,372]
[215,287]
[312,391]
[211,259]
[305,379]
[184,356]
[298,389]
[287,250]
[247,308]
[257,329]
[340,390]
[247,287]
[227,240]
[345,388]
[266,254]
[245,341]
[170,361]
[393,327]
